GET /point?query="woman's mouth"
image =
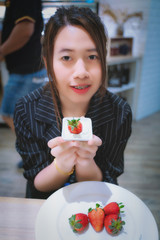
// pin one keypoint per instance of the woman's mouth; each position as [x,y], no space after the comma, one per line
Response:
[81,89]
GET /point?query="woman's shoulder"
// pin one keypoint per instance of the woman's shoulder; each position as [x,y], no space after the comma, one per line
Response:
[117,101]
[119,105]
[28,104]
[34,96]
[33,106]
[110,108]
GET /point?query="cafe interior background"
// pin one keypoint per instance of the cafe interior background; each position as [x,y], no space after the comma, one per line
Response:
[133,73]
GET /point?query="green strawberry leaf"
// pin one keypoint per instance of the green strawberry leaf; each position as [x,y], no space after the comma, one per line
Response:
[97,205]
[90,209]
[72,128]
[72,220]
[73,123]
[78,225]
[121,206]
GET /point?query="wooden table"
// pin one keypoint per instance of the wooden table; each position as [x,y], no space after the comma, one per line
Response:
[18,217]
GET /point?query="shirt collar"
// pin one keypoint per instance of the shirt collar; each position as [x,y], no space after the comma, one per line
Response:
[45,109]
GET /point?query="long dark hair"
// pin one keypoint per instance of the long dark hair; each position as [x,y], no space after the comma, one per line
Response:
[92,23]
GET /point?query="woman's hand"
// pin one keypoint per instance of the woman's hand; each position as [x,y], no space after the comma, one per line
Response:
[86,168]
[65,152]
[87,150]
[78,154]
[56,174]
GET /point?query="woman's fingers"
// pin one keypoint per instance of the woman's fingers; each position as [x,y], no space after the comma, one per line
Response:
[95,141]
[59,142]
[87,150]
[86,154]
[55,142]
[65,149]
[59,150]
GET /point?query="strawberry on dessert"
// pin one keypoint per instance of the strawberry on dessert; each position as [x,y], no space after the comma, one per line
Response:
[75,126]
[77,129]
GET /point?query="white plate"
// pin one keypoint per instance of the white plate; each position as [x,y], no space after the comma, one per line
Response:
[52,219]
[86,133]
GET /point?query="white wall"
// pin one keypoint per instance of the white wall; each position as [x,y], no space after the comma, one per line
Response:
[147,44]
[130,30]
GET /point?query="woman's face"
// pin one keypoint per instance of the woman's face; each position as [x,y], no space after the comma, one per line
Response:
[76,65]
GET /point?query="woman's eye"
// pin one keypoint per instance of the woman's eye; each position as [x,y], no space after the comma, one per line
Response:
[93,57]
[66,58]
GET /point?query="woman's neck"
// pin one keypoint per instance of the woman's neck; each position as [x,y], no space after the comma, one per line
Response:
[74,111]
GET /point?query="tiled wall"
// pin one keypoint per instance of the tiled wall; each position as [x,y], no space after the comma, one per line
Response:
[149,91]
[146,43]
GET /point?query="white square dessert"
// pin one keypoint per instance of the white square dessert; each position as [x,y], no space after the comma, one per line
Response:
[86,133]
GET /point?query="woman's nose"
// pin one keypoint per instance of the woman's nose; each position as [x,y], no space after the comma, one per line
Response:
[80,70]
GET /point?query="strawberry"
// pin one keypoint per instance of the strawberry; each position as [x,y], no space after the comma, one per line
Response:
[75,126]
[96,217]
[78,222]
[113,224]
[113,208]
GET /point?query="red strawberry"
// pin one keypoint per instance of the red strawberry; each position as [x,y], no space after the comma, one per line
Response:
[113,208]
[113,224]
[96,217]
[78,222]
[75,126]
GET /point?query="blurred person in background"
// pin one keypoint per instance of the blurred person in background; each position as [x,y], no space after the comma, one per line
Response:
[21,49]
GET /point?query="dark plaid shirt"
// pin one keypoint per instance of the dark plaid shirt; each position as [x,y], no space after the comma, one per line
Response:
[35,124]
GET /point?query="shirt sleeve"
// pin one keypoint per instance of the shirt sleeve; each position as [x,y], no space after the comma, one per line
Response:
[25,9]
[110,157]
[34,152]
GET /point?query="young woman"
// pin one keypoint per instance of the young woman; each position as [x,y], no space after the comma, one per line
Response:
[74,51]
